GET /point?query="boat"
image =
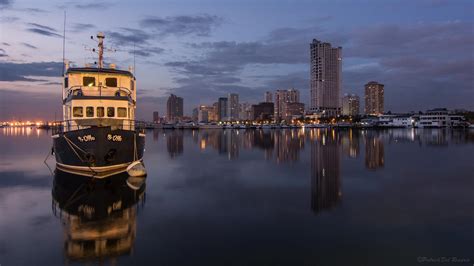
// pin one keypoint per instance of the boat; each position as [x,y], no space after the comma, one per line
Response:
[210,126]
[98,135]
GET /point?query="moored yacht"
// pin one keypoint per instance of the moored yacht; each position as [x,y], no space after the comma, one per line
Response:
[98,135]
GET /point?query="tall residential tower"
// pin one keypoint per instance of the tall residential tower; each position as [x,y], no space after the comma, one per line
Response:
[326,78]
[174,108]
[374,100]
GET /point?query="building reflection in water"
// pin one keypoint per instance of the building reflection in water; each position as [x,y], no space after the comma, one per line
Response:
[99,216]
[174,142]
[350,143]
[325,171]
[374,150]
[288,144]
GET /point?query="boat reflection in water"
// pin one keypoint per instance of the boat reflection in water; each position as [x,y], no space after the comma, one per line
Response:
[99,216]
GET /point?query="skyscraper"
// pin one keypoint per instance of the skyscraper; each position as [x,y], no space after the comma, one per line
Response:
[350,104]
[174,108]
[282,97]
[233,107]
[222,109]
[326,78]
[156,117]
[374,102]
[268,97]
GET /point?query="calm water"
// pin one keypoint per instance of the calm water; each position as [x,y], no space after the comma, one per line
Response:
[284,197]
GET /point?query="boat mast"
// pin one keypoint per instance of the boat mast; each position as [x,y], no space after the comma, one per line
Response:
[101,37]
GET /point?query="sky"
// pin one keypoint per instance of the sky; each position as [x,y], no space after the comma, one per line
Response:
[422,51]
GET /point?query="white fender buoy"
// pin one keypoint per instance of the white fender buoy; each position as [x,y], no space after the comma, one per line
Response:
[135,182]
[136,169]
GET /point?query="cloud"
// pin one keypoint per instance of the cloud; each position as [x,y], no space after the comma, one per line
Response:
[198,25]
[3,53]
[23,71]
[29,45]
[5,3]
[43,30]
[92,5]
[145,52]
[8,19]
[129,36]
[134,41]
[5,43]
[81,27]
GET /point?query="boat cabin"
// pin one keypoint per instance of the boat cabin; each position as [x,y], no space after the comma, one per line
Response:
[99,97]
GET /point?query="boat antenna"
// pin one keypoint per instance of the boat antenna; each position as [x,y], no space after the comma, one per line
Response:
[64,43]
[134,69]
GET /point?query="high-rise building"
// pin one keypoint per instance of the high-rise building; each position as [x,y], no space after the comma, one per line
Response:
[268,97]
[156,117]
[214,116]
[326,78]
[374,101]
[350,104]
[222,109]
[282,97]
[233,107]
[206,113]
[244,111]
[174,108]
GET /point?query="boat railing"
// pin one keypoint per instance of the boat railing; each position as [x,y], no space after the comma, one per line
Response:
[104,91]
[59,127]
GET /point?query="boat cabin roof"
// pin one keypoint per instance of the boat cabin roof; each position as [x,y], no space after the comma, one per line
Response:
[98,70]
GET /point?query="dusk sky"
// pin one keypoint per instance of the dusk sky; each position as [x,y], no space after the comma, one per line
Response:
[423,51]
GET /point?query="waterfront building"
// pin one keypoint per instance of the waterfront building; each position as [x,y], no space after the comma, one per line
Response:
[233,107]
[262,111]
[325,78]
[440,117]
[222,109]
[292,109]
[174,108]
[282,97]
[350,105]
[374,98]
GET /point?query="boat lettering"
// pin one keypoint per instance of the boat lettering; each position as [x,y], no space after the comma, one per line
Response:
[86,138]
[117,138]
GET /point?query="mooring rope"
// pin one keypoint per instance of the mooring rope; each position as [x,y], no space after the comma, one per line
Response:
[72,145]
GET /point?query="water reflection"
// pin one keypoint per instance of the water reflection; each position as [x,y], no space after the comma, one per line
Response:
[374,150]
[98,216]
[325,173]
[285,146]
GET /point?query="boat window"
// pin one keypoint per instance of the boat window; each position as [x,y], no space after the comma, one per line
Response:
[88,81]
[66,82]
[100,111]
[122,112]
[90,111]
[77,112]
[111,82]
[132,84]
[110,111]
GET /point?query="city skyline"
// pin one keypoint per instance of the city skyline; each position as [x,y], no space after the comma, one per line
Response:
[206,51]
